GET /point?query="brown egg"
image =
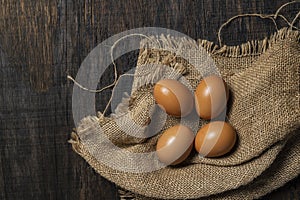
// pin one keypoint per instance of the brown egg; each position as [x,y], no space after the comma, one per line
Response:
[174,97]
[211,97]
[215,139]
[175,145]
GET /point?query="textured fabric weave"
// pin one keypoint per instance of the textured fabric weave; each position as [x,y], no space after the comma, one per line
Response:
[263,77]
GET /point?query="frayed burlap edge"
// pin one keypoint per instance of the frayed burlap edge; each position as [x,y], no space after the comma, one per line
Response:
[251,48]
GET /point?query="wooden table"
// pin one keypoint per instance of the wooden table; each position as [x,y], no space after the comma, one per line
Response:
[41,42]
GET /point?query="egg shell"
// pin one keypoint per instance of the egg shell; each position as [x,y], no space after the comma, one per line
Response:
[174,97]
[175,144]
[215,139]
[211,97]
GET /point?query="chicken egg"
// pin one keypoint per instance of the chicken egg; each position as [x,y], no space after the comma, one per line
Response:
[174,97]
[175,144]
[215,139]
[211,97]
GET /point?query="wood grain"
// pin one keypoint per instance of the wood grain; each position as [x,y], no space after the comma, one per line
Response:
[41,42]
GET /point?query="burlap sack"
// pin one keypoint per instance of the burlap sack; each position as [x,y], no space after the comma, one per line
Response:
[263,77]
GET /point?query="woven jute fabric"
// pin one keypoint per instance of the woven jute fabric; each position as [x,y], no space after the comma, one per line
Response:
[263,77]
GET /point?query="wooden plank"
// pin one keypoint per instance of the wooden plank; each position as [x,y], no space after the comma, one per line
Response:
[50,43]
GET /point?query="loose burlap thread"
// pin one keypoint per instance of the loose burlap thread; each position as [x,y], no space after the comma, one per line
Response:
[263,77]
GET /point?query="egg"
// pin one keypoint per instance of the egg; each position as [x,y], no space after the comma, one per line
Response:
[211,97]
[215,139]
[175,144]
[174,97]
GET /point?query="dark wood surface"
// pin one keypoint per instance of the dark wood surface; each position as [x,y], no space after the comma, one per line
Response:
[41,42]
